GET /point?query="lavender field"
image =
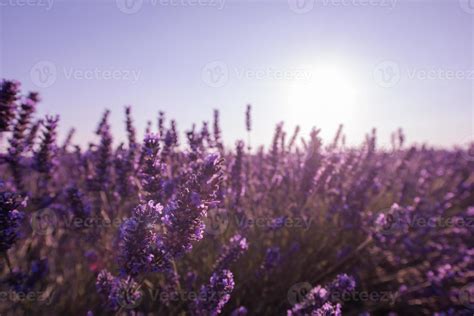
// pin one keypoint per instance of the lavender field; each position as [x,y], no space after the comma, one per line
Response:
[173,225]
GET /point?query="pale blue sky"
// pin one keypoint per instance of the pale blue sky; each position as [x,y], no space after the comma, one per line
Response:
[159,55]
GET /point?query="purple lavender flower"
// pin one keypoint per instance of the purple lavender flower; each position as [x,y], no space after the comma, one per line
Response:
[328,309]
[18,139]
[123,170]
[231,252]
[272,258]
[183,216]
[118,293]
[213,296]
[325,300]
[31,138]
[311,165]
[9,90]
[342,285]
[131,132]
[239,311]
[161,124]
[104,153]
[10,219]
[78,205]
[293,138]
[248,118]
[68,139]
[45,156]
[25,283]
[217,131]
[140,248]
[150,173]
[237,188]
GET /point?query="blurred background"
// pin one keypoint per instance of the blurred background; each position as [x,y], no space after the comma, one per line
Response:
[364,63]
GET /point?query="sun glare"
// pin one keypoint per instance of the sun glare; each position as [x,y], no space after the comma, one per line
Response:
[327,95]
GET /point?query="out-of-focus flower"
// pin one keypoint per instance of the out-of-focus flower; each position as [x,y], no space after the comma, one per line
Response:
[213,296]
[10,219]
[231,252]
[45,157]
[25,283]
[239,311]
[118,293]
[325,300]
[9,90]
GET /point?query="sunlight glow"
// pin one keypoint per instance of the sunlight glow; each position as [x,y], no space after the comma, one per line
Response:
[328,96]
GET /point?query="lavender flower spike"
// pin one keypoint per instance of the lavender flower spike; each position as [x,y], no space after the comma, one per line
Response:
[10,219]
[236,247]
[215,295]
[8,96]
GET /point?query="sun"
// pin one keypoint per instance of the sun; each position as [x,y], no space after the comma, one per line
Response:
[326,97]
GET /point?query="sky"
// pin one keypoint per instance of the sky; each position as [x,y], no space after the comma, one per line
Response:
[364,63]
